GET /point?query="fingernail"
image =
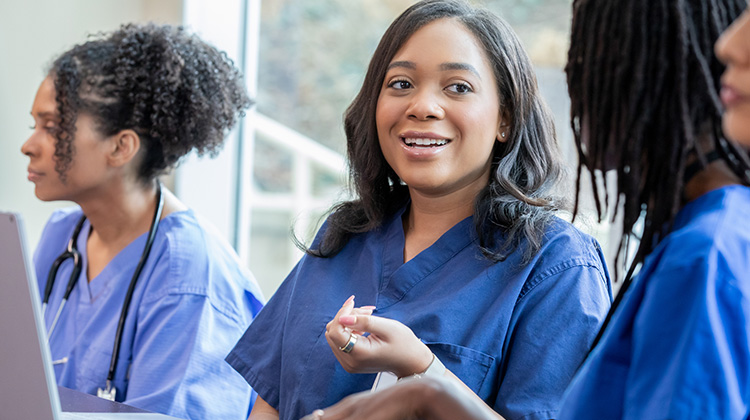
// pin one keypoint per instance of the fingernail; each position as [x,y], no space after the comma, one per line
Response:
[370,307]
[351,298]
[348,319]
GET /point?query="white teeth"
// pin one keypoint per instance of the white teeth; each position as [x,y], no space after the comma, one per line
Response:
[425,142]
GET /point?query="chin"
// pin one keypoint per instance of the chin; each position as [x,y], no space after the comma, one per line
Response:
[46,195]
[737,129]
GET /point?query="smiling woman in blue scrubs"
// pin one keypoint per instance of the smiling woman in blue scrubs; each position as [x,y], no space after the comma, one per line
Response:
[111,115]
[452,248]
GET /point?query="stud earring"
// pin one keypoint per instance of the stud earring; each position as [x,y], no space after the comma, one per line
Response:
[502,134]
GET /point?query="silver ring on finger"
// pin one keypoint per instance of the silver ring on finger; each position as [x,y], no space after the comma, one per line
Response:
[347,348]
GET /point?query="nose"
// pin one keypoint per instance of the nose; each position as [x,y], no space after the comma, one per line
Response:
[30,147]
[729,47]
[425,105]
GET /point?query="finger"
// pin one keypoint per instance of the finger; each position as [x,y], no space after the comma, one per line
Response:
[362,311]
[345,309]
[375,325]
[315,415]
[338,335]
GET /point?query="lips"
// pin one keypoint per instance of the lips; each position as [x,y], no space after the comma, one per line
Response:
[34,175]
[731,96]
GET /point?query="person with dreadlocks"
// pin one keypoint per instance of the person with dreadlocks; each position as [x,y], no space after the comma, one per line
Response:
[644,86]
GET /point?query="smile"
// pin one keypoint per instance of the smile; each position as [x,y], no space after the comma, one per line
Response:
[424,142]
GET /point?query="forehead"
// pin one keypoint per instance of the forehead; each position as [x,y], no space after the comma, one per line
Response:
[444,41]
[44,101]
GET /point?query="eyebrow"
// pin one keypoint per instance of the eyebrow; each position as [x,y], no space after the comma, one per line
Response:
[459,66]
[443,67]
[404,64]
[46,114]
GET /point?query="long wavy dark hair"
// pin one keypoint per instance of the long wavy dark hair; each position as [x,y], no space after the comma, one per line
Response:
[173,89]
[518,201]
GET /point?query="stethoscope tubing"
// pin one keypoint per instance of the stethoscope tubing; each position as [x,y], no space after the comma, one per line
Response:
[131,288]
[72,252]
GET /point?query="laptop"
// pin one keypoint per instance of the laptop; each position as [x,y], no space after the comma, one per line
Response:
[28,389]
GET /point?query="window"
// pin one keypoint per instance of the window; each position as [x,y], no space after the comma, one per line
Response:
[310,59]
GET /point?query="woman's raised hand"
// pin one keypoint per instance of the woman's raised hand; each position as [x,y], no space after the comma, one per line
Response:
[364,343]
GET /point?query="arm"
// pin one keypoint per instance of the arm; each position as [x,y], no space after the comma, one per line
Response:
[429,398]
[551,330]
[263,411]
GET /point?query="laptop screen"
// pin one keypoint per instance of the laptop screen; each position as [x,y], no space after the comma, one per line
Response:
[27,387]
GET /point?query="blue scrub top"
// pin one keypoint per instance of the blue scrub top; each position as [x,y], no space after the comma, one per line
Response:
[192,302]
[514,334]
[678,347]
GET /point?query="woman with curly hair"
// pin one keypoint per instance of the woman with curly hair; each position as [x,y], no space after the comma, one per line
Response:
[452,244]
[143,299]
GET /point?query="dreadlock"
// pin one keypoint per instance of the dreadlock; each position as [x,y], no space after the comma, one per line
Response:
[643,82]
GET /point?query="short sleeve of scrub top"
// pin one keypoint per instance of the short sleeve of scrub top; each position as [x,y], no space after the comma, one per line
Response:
[192,302]
[678,346]
[484,320]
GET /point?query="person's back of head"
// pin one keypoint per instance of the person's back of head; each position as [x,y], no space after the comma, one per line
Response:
[644,83]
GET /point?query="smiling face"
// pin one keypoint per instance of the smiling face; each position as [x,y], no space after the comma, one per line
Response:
[733,48]
[438,113]
[88,168]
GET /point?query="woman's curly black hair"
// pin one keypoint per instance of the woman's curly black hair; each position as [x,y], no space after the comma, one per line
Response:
[173,89]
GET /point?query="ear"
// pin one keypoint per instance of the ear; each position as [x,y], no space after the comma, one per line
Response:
[503,128]
[125,147]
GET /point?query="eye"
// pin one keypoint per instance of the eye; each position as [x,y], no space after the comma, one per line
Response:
[460,88]
[400,84]
[52,130]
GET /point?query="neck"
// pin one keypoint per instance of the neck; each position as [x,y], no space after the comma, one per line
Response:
[714,176]
[430,217]
[121,212]
[437,214]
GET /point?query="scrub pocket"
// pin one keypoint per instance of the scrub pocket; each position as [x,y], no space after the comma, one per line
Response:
[471,366]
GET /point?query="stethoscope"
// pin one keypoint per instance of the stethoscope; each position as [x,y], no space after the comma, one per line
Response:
[72,252]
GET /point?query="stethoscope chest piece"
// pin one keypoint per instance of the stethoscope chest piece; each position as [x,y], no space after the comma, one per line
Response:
[108,393]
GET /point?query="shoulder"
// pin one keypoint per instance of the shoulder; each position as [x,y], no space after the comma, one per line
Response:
[565,249]
[711,236]
[564,245]
[199,261]
[59,228]
[63,219]
[721,219]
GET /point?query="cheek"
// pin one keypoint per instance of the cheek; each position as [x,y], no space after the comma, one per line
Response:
[482,124]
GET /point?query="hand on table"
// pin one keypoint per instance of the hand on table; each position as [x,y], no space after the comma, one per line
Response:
[428,398]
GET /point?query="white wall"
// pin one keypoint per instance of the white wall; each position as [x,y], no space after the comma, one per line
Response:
[32,34]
